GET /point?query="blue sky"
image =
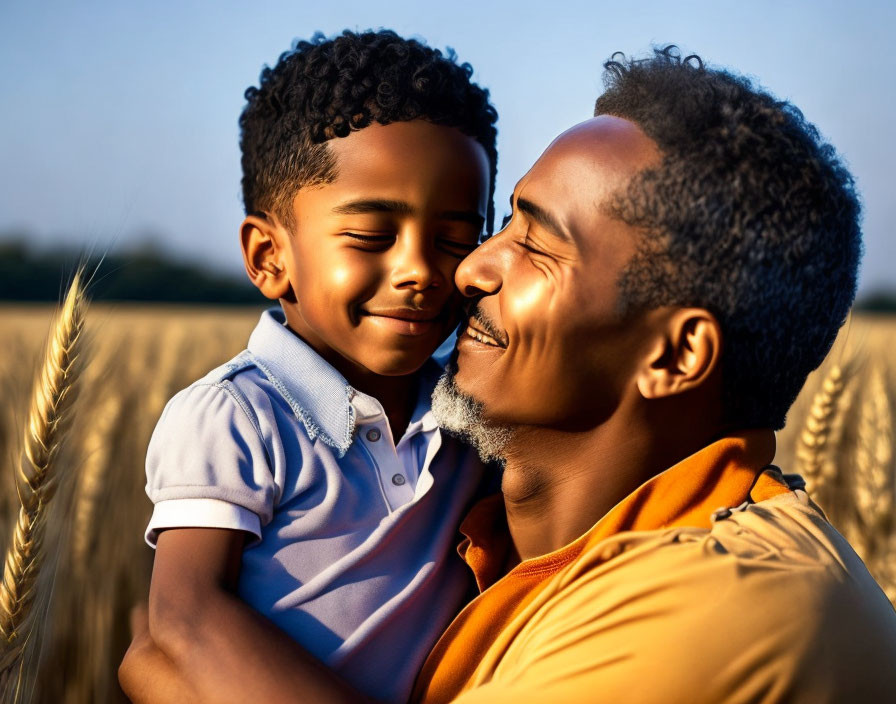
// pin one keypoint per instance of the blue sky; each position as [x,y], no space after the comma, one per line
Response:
[119,120]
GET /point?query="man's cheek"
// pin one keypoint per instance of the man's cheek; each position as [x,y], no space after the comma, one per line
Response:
[528,301]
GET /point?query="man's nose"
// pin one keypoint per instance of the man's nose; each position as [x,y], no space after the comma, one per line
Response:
[479,274]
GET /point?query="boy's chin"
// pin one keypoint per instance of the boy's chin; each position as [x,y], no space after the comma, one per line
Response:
[398,365]
[402,358]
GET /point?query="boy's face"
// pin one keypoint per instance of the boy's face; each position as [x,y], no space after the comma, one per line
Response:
[372,255]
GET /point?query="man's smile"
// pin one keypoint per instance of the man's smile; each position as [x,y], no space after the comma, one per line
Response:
[480,336]
[482,330]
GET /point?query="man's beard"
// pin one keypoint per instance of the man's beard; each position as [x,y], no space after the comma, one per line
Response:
[461,415]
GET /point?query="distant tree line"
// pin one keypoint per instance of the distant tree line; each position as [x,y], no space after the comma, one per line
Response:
[27,274]
[877,302]
[151,275]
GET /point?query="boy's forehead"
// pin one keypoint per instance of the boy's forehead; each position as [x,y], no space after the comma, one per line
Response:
[415,159]
[399,141]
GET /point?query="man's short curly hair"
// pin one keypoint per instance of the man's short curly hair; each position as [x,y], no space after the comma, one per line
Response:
[750,215]
[327,88]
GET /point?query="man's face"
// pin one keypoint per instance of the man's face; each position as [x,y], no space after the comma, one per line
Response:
[372,256]
[545,345]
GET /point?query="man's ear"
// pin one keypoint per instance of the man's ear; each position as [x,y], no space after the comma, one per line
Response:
[262,240]
[686,353]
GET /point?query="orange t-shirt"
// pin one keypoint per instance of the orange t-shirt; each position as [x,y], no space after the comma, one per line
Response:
[599,618]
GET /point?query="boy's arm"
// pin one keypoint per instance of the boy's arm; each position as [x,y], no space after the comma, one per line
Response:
[205,644]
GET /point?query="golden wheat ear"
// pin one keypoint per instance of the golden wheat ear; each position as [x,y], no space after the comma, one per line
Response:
[872,484]
[815,443]
[51,405]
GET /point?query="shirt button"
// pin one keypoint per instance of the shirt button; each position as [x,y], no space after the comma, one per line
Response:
[720,514]
[398,480]
[610,552]
[373,435]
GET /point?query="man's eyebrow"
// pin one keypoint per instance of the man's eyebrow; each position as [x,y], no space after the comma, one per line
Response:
[543,218]
[400,207]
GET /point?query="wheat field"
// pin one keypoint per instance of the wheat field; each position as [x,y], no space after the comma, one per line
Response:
[840,436]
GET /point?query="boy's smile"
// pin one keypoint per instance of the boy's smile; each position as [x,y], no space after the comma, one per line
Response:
[406,321]
[370,257]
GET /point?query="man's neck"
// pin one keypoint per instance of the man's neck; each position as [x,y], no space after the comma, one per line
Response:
[557,484]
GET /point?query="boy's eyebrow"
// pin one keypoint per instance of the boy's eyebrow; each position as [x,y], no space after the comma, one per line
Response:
[470,216]
[373,205]
[399,207]
[543,218]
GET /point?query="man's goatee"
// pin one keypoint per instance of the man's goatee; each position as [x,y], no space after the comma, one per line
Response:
[461,415]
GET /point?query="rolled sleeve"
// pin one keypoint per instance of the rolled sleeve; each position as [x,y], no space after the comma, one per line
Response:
[207,465]
[201,513]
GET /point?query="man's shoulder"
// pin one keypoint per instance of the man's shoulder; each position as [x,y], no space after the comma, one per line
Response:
[781,552]
[771,596]
[787,539]
[787,531]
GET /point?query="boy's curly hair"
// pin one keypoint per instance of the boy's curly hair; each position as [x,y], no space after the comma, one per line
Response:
[750,215]
[326,88]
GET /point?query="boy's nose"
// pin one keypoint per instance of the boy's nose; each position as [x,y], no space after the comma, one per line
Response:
[479,274]
[415,269]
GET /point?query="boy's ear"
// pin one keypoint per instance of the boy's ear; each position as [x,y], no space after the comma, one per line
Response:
[686,353]
[263,243]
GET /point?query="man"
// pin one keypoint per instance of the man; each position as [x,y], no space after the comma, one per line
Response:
[673,270]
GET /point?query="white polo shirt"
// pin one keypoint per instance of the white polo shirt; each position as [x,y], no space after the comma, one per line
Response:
[354,551]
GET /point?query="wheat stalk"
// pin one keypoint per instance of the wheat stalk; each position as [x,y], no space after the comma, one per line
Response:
[886,568]
[873,485]
[812,451]
[98,449]
[51,403]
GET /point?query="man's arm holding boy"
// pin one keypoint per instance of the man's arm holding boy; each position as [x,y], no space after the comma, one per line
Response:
[202,639]
[203,643]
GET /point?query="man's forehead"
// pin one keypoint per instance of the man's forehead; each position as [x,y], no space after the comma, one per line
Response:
[587,162]
[604,146]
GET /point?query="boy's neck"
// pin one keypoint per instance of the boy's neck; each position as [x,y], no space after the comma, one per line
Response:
[396,394]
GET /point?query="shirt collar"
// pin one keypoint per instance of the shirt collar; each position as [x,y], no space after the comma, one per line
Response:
[422,417]
[318,394]
[368,409]
[723,474]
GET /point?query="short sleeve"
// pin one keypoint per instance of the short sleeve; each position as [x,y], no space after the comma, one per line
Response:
[207,466]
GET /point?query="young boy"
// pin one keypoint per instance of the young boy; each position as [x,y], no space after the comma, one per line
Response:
[305,481]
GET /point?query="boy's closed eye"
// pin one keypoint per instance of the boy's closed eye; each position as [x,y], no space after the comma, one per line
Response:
[370,242]
[455,248]
[451,245]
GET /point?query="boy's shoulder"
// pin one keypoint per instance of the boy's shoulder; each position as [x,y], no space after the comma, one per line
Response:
[236,384]
[239,377]
[244,377]
[273,395]
[227,371]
